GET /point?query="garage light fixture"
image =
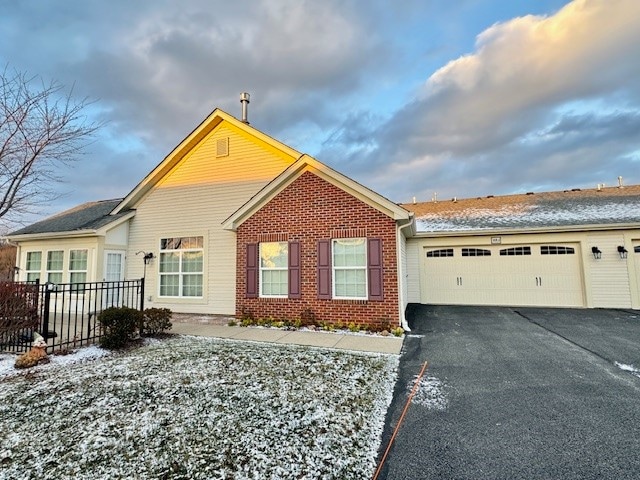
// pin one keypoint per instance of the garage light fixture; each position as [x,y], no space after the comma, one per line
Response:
[597,254]
[622,252]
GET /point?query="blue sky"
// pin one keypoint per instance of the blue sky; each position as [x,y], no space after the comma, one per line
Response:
[463,98]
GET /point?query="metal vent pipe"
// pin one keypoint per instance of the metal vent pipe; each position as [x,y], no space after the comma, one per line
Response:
[244,100]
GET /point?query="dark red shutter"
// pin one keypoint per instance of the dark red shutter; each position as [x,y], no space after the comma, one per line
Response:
[324,269]
[252,270]
[374,267]
[294,270]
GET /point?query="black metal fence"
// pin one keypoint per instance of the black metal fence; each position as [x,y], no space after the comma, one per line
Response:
[66,314]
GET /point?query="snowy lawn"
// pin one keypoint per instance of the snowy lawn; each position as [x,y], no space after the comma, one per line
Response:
[196,408]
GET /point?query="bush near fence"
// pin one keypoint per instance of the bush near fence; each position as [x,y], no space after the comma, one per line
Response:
[65,314]
[18,308]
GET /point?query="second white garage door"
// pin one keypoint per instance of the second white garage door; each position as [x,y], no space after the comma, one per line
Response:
[525,275]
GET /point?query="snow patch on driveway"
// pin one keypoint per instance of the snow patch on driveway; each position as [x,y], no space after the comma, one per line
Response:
[628,368]
[430,393]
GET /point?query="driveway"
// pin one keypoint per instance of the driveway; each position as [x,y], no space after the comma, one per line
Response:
[518,393]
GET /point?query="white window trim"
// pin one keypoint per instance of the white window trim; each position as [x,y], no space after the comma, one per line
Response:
[365,268]
[263,269]
[180,273]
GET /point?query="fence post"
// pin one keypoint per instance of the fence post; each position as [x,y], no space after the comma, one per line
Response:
[142,305]
[45,314]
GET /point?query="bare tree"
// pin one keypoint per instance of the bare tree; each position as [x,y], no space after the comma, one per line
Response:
[41,129]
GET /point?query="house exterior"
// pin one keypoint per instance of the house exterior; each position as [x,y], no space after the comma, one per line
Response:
[233,222]
[200,207]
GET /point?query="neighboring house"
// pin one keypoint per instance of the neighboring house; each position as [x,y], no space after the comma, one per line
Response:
[577,248]
[240,224]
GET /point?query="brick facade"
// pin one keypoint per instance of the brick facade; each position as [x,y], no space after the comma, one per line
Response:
[308,210]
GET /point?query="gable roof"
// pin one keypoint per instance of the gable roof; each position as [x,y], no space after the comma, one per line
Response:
[185,146]
[307,163]
[565,210]
[85,219]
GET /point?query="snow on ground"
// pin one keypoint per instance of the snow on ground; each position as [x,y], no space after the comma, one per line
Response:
[628,368]
[196,408]
[430,393]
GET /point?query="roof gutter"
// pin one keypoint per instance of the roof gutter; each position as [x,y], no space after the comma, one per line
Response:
[512,231]
[71,233]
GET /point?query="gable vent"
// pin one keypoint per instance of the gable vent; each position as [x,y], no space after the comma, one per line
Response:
[222,147]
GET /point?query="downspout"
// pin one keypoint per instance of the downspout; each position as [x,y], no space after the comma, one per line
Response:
[17,274]
[399,228]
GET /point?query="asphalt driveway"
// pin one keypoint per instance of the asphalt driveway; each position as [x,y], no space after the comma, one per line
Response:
[518,393]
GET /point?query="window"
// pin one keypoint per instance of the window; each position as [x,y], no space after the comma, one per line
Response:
[636,249]
[475,252]
[181,266]
[556,250]
[444,252]
[349,268]
[273,270]
[78,267]
[515,251]
[55,264]
[34,261]
[274,267]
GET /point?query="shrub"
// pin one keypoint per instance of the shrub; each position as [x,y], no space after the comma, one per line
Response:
[398,331]
[353,327]
[308,318]
[18,306]
[118,326]
[247,314]
[156,320]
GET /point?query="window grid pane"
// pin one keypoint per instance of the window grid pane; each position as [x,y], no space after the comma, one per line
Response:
[54,277]
[77,260]
[169,285]
[55,260]
[34,259]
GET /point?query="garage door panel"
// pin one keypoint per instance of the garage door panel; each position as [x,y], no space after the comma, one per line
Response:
[535,279]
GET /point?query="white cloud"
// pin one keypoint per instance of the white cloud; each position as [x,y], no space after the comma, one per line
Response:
[478,109]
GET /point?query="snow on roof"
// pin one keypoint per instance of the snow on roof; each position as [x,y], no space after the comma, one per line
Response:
[607,206]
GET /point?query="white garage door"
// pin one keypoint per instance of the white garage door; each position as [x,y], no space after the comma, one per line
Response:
[533,275]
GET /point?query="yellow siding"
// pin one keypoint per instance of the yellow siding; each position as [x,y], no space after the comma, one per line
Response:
[413,271]
[118,236]
[635,283]
[609,275]
[247,161]
[194,199]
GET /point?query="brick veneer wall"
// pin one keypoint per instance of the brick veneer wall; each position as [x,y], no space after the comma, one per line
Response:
[308,210]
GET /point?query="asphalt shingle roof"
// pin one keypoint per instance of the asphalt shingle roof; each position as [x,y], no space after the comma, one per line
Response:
[88,216]
[606,206]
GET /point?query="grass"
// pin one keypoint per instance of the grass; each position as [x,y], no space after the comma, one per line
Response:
[196,408]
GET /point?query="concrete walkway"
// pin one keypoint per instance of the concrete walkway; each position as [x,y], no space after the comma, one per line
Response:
[342,341]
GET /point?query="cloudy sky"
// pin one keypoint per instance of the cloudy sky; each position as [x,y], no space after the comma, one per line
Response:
[411,97]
